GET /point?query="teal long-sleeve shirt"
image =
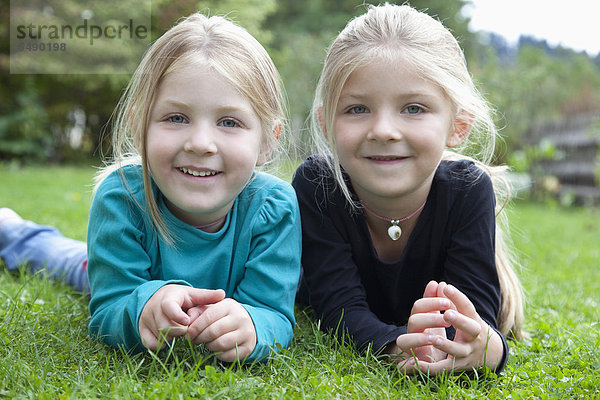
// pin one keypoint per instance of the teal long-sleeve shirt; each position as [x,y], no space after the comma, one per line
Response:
[255,258]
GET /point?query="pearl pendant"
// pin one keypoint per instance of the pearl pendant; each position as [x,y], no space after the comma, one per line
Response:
[394,231]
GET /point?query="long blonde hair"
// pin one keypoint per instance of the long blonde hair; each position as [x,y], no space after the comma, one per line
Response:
[386,33]
[226,48]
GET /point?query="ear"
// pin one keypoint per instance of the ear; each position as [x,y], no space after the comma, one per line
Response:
[320,117]
[277,131]
[462,128]
[267,148]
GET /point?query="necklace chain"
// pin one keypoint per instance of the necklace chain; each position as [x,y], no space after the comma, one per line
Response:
[394,221]
[394,231]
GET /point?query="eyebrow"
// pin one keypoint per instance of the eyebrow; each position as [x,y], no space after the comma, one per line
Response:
[221,107]
[174,102]
[411,94]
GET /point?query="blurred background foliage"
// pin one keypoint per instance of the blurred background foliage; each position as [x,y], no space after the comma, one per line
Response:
[528,83]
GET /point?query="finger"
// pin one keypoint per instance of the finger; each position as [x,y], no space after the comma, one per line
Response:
[197,297]
[171,322]
[172,311]
[468,326]
[440,292]
[413,340]
[461,301]
[410,366]
[431,289]
[210,315]
[169,333]
[217,329]
[149,328]
[420,322]
[431,304]
[233,353]
[449,364]
[225,342]
[163,329]
[440,289]
[195,312]
[232,346]
[149,340]
[420,348]
[414,366]
[455,349]
[406,365]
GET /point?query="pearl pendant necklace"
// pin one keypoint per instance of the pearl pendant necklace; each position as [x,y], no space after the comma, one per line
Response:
[394,231]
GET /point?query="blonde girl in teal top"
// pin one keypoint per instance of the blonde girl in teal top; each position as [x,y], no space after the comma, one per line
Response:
[185,238]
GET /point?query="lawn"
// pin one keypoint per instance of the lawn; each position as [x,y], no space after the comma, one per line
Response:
[46,353]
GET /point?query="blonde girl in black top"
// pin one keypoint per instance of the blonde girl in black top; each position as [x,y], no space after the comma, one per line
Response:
[400,245]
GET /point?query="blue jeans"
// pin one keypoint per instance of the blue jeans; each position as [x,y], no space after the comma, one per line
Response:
[45,249]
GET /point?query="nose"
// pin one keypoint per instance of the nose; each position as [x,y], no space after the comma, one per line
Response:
[201,140]
[384,127]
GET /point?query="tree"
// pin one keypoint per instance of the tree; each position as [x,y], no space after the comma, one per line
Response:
[528,83]
[37,112]
[41,98]
[534,84]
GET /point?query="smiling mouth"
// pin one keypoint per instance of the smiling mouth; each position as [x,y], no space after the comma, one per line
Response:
[192,172]
[386,158]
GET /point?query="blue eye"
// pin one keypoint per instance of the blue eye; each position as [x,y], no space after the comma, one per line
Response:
[414,109]
[177,119]
[358,110]
[229,123]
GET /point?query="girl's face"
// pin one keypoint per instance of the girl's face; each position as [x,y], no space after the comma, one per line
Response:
[203,143]
[391,128]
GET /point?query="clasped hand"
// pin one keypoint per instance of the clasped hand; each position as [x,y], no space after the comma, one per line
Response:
[425,346]
[205,316]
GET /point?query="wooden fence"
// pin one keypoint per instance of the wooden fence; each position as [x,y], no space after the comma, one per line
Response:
[575,164]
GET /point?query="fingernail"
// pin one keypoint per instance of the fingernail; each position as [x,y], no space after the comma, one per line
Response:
[445,303]
[450,315]
[429,338]
[450,289]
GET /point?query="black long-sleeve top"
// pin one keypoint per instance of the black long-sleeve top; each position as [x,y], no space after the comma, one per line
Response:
[352,290]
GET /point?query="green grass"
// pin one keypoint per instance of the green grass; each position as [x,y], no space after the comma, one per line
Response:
[45,351]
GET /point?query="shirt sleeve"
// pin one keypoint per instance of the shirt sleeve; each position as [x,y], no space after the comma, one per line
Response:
[268,288]
[335,289]
[470,262]
[118,266]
